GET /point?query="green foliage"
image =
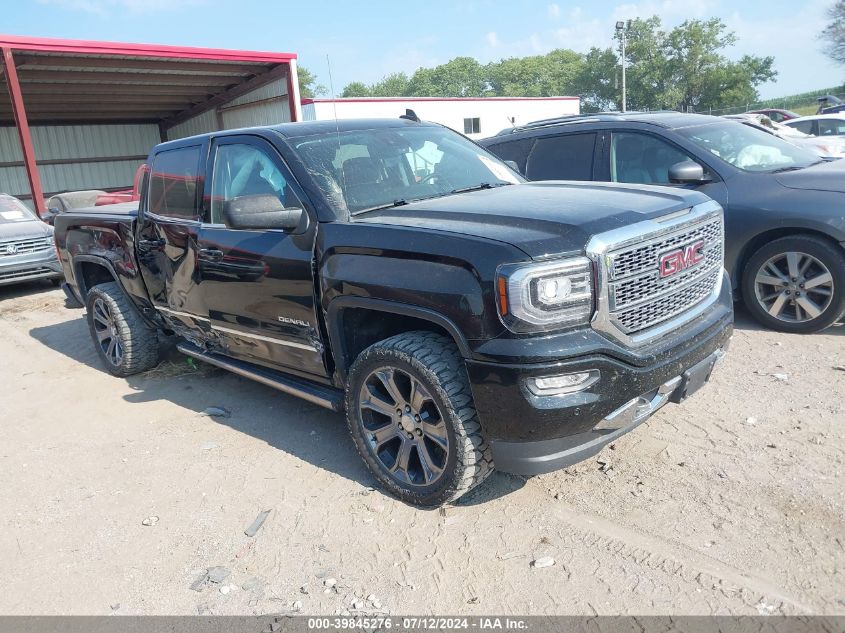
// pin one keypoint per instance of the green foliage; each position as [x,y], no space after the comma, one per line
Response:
[683,68]
[834,33]
[308,86]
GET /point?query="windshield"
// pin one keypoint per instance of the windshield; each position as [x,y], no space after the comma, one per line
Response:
[368,169]
[748,148]
[13,210]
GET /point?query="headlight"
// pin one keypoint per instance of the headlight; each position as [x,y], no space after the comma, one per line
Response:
[546,296]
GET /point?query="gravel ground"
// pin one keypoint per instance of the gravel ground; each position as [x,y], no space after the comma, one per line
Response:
[732,503]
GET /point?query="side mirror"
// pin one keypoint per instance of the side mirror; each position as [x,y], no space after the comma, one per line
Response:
[687,172]
[50,215]
[261,211]
[512,164]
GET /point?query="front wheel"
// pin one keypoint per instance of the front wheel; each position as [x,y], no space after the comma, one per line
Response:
[123,341]
[796,284]
[411,415]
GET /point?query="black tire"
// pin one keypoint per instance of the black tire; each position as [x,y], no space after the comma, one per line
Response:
[431,363]
[137,343]
[820,257]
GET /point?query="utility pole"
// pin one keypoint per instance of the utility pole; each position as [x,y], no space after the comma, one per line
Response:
[622,28]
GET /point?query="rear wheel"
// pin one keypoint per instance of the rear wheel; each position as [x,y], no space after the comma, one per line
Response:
[796,284]
[123,341]
[411,415]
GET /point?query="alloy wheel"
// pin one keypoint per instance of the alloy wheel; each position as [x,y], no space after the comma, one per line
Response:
[403,427]
[794,287]
[108,337]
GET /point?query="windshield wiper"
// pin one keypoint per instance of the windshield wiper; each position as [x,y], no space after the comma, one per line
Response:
[479,187]
[797,167]
[381,207]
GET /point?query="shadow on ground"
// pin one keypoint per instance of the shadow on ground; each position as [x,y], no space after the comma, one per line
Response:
[744,321]
[284,422]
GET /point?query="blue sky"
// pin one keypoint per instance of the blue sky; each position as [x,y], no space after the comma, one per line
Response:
[366,40]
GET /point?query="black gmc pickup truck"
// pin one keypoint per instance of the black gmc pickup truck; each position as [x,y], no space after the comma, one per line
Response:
[462,317]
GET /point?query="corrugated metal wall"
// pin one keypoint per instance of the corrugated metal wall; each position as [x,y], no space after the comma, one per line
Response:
[74,143]
[267,105]
[200,124]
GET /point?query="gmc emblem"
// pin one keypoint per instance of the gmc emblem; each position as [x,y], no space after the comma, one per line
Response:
[685,257]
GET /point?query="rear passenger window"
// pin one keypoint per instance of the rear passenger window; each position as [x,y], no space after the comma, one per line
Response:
[517,151]
[567,157]
[803,126]
[173,183]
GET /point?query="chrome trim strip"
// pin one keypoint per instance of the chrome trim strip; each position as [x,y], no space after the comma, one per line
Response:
[599,247]
[182,314]
[268,339]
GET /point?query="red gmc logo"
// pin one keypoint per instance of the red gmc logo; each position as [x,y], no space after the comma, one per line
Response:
[685,257]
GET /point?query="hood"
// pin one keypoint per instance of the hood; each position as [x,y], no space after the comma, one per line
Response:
[24,230]
[540,218]
[827,176]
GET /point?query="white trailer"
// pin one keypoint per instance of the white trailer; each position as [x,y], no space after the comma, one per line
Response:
[477,118]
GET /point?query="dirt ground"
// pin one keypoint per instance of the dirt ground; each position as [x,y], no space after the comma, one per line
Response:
[732,503]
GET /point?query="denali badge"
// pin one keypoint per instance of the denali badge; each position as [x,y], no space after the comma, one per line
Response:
[681,259]
[290,321]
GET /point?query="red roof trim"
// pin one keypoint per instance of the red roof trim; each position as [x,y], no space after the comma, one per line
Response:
[87,47]
[306,101]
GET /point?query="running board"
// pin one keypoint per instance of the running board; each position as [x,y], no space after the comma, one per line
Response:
[321,395]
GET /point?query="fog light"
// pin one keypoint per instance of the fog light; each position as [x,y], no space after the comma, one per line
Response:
[563,383]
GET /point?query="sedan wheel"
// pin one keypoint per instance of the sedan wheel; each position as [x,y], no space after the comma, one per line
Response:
[794,287]
[796,284]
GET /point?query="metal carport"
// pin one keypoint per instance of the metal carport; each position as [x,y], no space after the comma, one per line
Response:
[86,113]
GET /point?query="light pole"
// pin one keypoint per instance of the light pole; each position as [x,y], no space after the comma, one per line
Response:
[621,29]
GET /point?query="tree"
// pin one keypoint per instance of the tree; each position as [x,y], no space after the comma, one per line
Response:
[393,85]
[307,81]
[537,76]
[356,89]
[834,33]
[681,69]
[459,77]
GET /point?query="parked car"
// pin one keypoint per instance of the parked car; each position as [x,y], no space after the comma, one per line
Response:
[462,317]
[830,104]
[784,220]
[830,127]
[27,250]
[775,114]
[829,147]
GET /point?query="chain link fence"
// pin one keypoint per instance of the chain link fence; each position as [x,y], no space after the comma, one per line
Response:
[803,104]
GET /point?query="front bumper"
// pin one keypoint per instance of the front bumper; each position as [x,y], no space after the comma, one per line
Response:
[29,269]
[533,434]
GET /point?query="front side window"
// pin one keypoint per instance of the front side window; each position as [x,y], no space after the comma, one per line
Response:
[242,170]
[389,166]
[642,158]
[568,157]
[173,183]
[802,126]
[748,148]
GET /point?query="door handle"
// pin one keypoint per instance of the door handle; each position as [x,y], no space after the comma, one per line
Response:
[210,254]
[150,245]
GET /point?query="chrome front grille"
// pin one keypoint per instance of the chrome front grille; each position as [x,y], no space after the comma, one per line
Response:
[24,247]
[650,313]
[639,298]
[636,300]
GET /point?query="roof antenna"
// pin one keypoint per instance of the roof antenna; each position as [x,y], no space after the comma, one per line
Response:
[410,115]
